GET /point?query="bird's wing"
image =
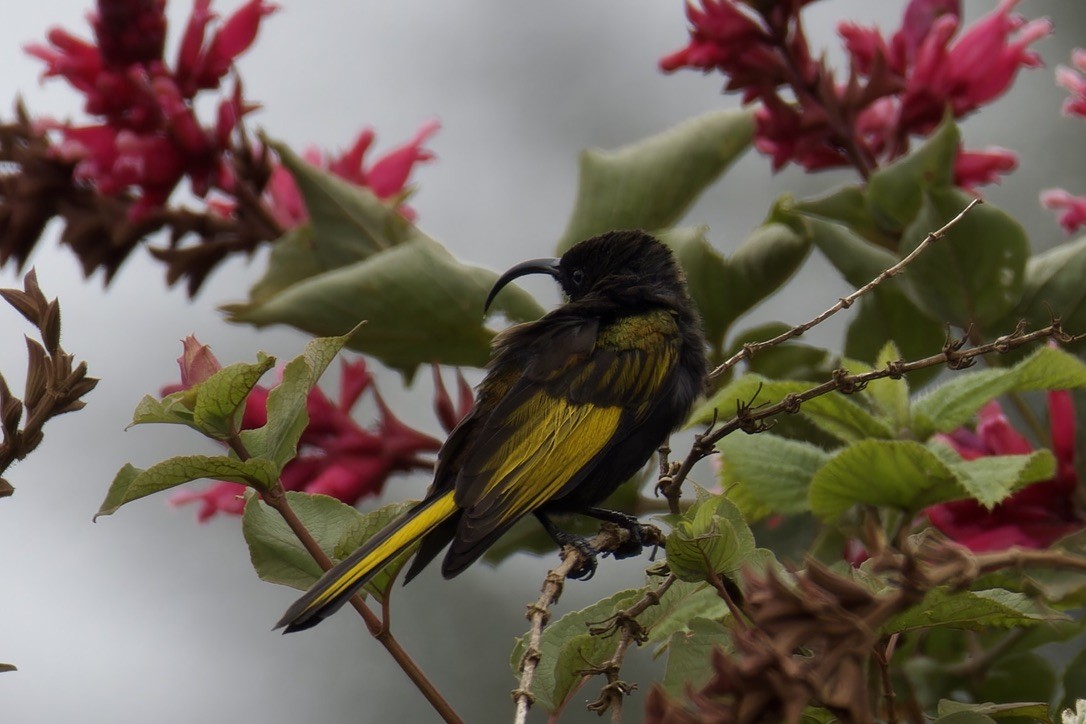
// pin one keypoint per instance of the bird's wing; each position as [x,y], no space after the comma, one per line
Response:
[577,396]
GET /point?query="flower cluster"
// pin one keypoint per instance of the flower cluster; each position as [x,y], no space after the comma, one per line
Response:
[1035,516]
[897,88]
[148,137]
[111,178]
[336,455]
[1073,208]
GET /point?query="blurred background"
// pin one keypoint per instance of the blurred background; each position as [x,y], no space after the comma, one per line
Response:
[148,616]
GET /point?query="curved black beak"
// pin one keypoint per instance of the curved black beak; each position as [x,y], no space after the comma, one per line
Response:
[535,266]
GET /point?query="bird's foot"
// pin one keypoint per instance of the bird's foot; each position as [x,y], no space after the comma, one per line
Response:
[587,567]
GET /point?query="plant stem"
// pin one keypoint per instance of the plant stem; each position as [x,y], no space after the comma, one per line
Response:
[277,500]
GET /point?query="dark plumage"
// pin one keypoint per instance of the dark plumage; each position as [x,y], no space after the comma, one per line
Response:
[573,404]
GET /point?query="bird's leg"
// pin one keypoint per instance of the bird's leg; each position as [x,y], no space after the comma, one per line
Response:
[564,538]
[635,544]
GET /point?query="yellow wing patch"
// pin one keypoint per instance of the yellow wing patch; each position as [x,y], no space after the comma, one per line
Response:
[531,468]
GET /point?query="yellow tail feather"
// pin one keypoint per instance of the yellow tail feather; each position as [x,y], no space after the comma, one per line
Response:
[339,583]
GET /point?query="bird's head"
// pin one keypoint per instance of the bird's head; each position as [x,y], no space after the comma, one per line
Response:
[616,260]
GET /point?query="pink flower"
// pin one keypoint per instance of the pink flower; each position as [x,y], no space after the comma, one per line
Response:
[448,414]
[130,31]
[387,176]
[336,455]
[1074,208]
[1035,516]
[1072,79]
[977,168]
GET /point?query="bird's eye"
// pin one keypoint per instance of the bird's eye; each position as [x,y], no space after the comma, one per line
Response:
[578,277]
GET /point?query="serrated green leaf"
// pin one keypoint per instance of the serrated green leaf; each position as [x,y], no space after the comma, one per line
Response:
[1038,711]
[277,440]
[132,483]
[952,404]
[711,537]
[891,396]
[212,407]
[834,413]
[972,610]
[897,473]
[421,305]
[567,649]
[279,557]
[651,183]
[680,604]
[975,274]
[689,655]
[895,192]
[989,480]
[293,258]
[349,221]
[765,474]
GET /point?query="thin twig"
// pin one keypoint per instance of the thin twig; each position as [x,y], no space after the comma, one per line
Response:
[752,348]
[610,538]
[882,658]
[277,500]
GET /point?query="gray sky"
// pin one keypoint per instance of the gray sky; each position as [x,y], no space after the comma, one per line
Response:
[147,616]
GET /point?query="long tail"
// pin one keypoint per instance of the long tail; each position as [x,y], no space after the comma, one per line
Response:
[343,580]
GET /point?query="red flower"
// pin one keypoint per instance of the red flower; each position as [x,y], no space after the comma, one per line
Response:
[336,456]
[976,168]
[387,176]
[1074,208]
[149,137]
[1035,516]
[896,88]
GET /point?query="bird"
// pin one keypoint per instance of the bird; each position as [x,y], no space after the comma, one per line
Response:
[572,405]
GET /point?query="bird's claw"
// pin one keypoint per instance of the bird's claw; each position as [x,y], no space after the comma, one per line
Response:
[587,568]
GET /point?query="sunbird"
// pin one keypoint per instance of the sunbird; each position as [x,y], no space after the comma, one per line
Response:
[572,405]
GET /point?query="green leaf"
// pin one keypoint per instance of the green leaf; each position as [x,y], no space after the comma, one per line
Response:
[277,440]
[834,413]
[1074,681]
[132,483]
[1053,286]
[1035,710]
[895,192]
[791,360]
[964,717]
[651,183]
[847,207]
[711,537]
[891,396]
[1025,677]
[567,649]
[887,315]
[293,258]
[859,261]
[420,303]
[689,655]
[954,403]
[989,480]
[682,603]
[212,407]
[972,610]
[7,667]
[765,474]
[973,276]
[349,221]
[279,557]
[898,473]
[725,289]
